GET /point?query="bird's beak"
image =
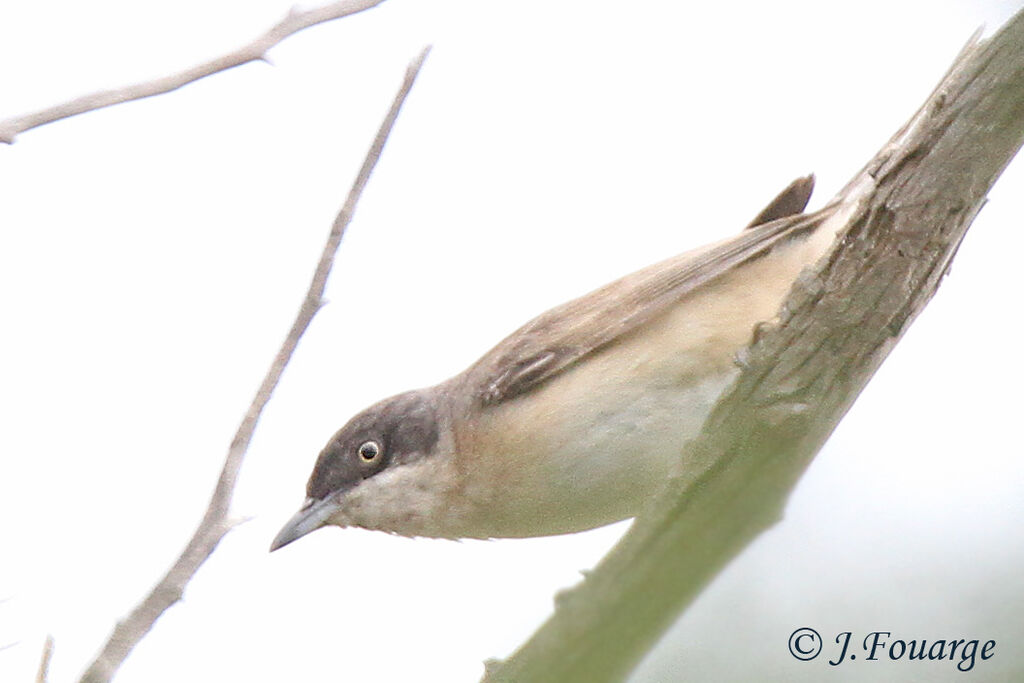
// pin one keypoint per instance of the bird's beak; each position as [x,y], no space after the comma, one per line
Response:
[313,515]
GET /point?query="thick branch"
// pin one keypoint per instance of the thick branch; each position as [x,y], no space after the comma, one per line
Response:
[907,212]
[256,50]
[215,524]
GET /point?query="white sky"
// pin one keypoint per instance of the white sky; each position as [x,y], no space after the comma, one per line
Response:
[153,255]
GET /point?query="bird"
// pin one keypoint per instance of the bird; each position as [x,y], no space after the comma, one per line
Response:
[579,417]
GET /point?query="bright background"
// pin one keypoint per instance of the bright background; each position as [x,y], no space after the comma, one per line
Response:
[153,255]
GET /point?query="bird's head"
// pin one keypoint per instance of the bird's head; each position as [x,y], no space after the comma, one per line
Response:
[382,470]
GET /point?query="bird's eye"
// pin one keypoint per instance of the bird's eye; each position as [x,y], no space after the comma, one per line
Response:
[369,451]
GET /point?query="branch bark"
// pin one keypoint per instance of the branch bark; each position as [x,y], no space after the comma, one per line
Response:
[294,22]
[907,212]
[215,523]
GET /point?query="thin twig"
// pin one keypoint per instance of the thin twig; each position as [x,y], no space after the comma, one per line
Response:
[294,22]
[215,524]
[43,674]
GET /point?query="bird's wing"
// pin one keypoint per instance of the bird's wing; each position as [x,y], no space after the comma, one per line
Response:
[789,202]
[555,340]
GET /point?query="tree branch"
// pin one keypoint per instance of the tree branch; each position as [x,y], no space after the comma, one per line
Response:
[294,22]
[215,524]
[905,214]
[43,672]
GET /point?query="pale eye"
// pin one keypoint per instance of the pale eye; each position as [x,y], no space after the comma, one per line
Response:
[369,451]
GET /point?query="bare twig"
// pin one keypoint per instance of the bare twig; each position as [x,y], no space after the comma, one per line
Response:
[215,524]
[43,674]
[904,215]
[294,22]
